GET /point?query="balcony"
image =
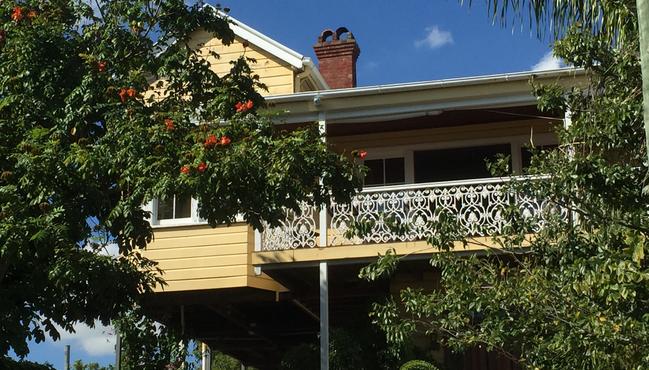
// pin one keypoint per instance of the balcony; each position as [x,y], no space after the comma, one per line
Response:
[478,205]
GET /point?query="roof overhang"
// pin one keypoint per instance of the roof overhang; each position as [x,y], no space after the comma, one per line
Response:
[419,98]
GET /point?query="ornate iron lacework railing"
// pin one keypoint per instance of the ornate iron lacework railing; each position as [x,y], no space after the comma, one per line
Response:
[477,204]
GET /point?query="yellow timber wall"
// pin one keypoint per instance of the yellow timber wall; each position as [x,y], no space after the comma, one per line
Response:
[200,257]
[278,76]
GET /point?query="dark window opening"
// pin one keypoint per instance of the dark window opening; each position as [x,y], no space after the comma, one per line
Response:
[389,171]
[175,207]
[457,163]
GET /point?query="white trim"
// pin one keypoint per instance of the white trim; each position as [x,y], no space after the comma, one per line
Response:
[315,74]
[429,85]
[176,222]
[256,38]
[185,221]
[422,109]
[194,211]
[444,184]
[322,241]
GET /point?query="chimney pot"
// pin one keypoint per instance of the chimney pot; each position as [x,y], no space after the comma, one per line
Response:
[337,53]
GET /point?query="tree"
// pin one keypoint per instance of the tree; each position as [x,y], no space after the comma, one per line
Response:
[611,19]
[79,365]
[8,363]
[104,108]
[575,294]
[147,345]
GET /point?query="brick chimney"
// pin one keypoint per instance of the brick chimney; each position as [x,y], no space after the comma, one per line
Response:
[337,53]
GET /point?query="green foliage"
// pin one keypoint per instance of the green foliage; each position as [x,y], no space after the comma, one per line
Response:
[574,295]
[9,363]
[418,365]
[222,361]
[349,349]
[613,20]
[79,365]
[102,111]
[147,345]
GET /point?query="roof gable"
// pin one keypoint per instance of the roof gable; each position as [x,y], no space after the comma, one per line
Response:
[264,42]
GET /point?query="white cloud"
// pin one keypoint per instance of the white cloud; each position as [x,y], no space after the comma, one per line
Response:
[372,65]
[548,61]
[97,341]
[435,38]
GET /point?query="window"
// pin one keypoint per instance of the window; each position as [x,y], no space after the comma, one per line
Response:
[456,163]
[385,171]
[173,208]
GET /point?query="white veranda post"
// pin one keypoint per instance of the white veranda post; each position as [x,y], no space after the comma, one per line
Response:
[324,281]
[206,357]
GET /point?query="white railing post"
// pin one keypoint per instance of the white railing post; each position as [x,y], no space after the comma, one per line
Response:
[322,128]
[323,227]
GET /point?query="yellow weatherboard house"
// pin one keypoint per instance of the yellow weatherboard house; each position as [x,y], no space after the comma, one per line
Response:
[256,294]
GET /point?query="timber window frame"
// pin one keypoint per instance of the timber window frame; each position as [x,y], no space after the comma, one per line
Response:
[192,218]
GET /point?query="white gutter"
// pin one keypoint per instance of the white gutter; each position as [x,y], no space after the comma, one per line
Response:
[425,85]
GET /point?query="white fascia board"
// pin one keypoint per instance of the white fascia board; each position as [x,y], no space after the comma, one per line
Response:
[415,109]
[425,85]
[256,38]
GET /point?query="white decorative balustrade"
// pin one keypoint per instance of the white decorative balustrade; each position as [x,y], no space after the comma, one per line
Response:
[478,206]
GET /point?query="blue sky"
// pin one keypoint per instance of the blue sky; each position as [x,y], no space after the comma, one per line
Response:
[400,41]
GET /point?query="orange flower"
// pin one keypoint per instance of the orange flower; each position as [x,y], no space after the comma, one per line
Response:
[202,167]
[17,14]
[362,154]
[169,124]
[123,95]
[185,170]
[131,92]
[101,66]
[32,14]
[225,140]
[211,141]
[242,107]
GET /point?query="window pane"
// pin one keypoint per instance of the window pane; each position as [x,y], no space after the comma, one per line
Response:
[165,209]
[374,174]
[183,207]
[395,171]
[456,163]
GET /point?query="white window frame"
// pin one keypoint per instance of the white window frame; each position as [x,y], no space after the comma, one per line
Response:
[194,219]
